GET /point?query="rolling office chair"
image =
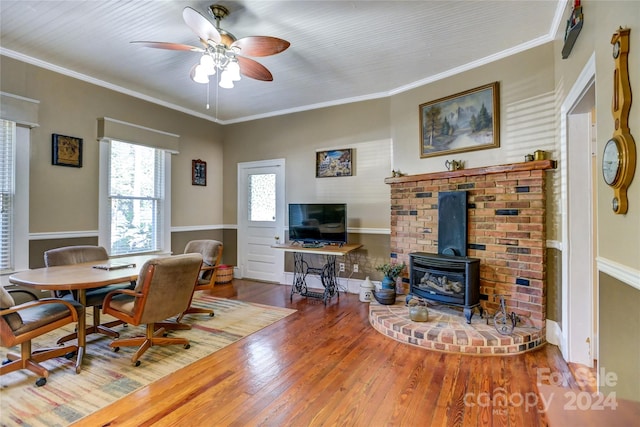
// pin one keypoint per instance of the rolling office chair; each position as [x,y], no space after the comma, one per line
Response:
[165,288]
[211,251]
[20,323]
[80,254]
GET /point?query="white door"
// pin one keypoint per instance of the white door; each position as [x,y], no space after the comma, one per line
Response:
[579,297]
[261,212]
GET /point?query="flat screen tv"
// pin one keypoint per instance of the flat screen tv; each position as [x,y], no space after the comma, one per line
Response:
[318,222]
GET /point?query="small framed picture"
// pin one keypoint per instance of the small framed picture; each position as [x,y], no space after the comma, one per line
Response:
[334,163]
[66,151]
[198,172]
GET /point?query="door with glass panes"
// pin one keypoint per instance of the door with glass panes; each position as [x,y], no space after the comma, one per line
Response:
[261,211]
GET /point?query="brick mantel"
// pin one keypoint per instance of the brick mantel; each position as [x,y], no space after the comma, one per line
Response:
[506,228]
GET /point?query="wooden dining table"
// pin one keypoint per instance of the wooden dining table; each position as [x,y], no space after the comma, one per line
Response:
[79,278]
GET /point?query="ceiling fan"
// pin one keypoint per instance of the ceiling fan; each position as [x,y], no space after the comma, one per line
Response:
[221,51]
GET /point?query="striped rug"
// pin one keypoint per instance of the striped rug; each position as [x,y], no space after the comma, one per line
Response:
[107,376]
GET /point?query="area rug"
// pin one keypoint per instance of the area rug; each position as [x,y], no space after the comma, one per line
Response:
[107,375]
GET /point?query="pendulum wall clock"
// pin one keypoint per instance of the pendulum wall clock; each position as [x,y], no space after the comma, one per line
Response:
[619,154]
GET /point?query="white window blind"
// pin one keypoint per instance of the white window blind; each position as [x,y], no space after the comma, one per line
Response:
[136,193]
[7,193]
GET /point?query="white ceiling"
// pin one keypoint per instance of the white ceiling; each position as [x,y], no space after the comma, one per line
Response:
[341,51]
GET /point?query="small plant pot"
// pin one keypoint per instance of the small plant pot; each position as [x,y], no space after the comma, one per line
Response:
[388,283]
[385,296]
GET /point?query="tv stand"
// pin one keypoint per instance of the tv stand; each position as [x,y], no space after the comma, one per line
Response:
[327,272]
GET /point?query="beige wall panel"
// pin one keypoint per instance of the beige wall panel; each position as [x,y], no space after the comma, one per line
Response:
[65,198]
[554,285]
[618,235]
[37,248]
[296,138]
[524,78]
[179,240]
[193,204]
[619,340]
[230,240]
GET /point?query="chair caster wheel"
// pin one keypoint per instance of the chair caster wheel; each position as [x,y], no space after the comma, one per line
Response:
[116,349]
[211,314]
[137,363]
[41,381]
[70,355]
[166,334]
[187,346]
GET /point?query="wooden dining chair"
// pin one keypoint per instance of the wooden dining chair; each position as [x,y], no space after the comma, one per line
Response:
[211,251]
[69,255]
[165,287]
[20,323]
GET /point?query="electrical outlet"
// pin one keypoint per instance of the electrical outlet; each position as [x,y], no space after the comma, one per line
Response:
[355,268]
[342,266]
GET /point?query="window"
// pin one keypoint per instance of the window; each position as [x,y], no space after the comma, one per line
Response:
[7,193]
[262,197]
[134,206]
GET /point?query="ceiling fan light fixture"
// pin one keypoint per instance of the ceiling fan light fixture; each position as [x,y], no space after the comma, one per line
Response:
[198,74]
[221,51]
[225,80]
[208,65]
[234,70]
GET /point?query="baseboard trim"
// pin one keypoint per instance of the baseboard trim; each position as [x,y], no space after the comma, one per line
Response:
[554,333]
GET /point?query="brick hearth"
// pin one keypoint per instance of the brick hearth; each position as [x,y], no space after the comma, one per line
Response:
[506,229]
[447,330]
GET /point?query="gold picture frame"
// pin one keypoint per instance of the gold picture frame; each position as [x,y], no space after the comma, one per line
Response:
[466,121]
[198,172]
[66,150]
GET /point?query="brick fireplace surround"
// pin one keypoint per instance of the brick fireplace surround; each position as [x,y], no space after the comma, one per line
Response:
[506,214]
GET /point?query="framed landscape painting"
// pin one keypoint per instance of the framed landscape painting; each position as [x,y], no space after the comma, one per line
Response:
[465,121]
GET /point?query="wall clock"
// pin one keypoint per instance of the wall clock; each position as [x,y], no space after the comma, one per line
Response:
[619,154]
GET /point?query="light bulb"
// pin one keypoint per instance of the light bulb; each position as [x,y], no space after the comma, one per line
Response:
[198,75]
[206,61]
[234,69]
[225,80]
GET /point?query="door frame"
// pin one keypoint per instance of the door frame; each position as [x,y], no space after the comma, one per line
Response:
[243,167]
[578,303]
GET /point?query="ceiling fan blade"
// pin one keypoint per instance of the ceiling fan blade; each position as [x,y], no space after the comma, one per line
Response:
[253,69]
[200,25]
[169,46]
[261,45]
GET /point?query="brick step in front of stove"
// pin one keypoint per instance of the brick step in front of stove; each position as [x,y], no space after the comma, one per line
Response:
[447,330]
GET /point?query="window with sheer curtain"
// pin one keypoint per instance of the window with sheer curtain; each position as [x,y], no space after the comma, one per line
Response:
[136,199]
[7,193]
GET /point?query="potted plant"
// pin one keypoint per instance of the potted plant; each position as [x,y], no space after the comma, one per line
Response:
[391,272]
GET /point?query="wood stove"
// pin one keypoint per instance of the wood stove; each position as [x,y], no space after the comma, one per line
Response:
[448,277]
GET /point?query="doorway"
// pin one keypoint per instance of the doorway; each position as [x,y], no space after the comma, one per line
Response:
[261,215]
[578,151]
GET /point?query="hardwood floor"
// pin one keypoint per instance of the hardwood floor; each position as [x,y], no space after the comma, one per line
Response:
[328,366]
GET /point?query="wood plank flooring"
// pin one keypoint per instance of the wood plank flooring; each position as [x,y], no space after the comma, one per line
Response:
[326,366]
